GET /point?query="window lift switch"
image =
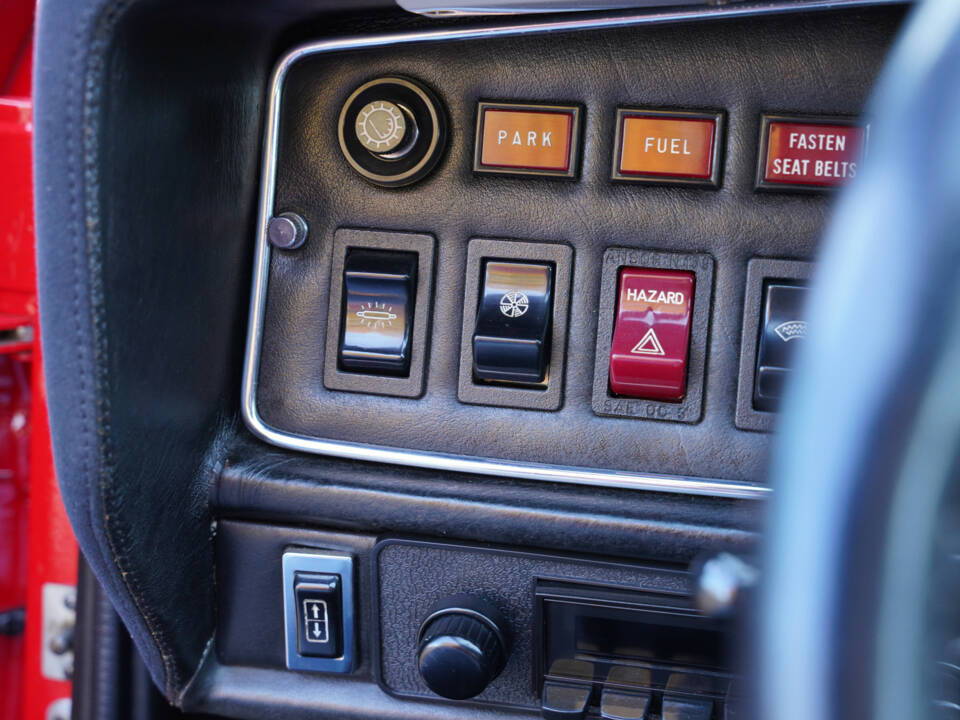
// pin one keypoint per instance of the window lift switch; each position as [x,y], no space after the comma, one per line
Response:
[379,292]
[319,614]
[511,341]
[319,611]
[782,326]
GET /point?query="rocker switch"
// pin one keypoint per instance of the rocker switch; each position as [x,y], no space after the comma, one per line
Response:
[511,342]
[318,611]
[319,616]
[379,291]
[651,336]
[783,327]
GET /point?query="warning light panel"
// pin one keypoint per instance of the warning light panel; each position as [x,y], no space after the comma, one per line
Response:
[657,146]
[651,338]
[809,153]
[517,139]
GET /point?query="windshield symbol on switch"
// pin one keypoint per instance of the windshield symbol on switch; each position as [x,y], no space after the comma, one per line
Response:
[514,304]
[649,345]
[791,330]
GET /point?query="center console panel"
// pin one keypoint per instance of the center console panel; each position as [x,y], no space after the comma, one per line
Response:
[713,87]
[376,466]
[608,633]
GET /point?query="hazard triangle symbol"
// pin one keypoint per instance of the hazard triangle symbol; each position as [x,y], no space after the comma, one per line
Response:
[648,345]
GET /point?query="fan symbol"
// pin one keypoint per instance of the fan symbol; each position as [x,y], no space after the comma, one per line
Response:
[514,304]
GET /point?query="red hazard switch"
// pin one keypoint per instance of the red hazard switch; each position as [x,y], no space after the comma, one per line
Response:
[648,355]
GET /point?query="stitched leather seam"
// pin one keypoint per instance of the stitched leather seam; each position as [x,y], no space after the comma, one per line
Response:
[115,533]
[75,189]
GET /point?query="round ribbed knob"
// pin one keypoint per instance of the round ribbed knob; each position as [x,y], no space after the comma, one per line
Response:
[392,130]
[462,647]
[381,126]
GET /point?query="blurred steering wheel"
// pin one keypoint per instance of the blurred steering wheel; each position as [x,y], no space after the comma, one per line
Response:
[860,613]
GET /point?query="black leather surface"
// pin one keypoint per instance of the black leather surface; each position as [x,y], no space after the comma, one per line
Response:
[819,63]
[110,680]
[147,150]
[176,183]
[259,483]
[147,119]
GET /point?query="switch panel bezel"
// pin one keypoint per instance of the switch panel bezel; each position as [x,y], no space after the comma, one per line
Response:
[690,409]
[414,384]
[283,401]
[303,561]
[759,272]
[550,397]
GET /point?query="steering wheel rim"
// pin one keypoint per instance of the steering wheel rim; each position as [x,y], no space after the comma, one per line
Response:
[869,436]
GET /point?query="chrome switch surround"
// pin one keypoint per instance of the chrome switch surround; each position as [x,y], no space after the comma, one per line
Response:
[304,561]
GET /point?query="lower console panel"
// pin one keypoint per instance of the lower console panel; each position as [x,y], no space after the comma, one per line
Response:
[568,629]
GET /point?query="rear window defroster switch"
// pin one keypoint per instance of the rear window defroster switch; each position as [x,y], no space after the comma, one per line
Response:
[511,341]
[379,291]
[782,327]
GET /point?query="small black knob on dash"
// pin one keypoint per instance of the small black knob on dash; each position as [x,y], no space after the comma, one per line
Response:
[462,647]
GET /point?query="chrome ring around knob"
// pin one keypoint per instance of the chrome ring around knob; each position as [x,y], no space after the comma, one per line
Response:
[392,131]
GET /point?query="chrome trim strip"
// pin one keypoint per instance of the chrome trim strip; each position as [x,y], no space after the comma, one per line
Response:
[454,8]
[461,8]
[443,461]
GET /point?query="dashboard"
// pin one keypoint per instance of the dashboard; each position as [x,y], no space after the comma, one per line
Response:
[443,355]
[719,144]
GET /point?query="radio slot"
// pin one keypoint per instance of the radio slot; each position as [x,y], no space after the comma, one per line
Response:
[655,647]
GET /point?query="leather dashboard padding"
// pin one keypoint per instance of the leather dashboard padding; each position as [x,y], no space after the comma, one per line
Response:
[142,245]
[147,125]
[811,63]
[261,483]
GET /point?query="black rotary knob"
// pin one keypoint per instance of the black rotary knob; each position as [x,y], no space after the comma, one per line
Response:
[462,647]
